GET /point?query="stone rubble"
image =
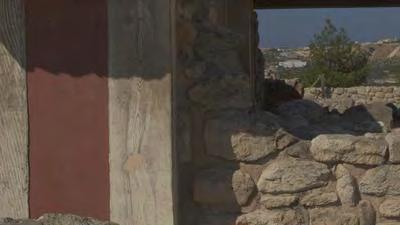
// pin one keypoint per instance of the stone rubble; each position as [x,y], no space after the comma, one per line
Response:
[55,219]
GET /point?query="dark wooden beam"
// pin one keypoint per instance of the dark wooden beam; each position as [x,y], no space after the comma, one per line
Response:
[265,4]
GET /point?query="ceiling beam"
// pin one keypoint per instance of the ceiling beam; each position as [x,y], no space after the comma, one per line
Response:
[266,4]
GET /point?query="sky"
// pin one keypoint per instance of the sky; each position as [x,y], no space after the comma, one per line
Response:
[289,28]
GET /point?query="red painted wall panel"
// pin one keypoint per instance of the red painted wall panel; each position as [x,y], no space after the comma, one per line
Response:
[68,108]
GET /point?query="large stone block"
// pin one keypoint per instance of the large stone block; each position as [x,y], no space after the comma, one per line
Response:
[339,148]
[289,175]
[243,186]
[319,198]
[278,201]
[390,208]
[237,135]
[381,181]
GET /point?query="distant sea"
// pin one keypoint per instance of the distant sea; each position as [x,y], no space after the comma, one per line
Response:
[291,28]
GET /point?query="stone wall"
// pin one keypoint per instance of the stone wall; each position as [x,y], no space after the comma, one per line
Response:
[297,165]
[343,98]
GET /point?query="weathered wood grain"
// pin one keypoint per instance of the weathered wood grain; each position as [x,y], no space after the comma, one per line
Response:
[140,106]
[14,169]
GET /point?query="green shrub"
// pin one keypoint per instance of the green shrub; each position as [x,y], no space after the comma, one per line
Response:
[342,61]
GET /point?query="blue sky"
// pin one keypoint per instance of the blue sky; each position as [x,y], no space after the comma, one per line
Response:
[296,27]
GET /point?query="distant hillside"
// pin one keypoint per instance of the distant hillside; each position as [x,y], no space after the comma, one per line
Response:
[384,61]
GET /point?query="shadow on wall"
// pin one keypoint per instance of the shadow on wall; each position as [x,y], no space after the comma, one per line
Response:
[79,38]
[246,143]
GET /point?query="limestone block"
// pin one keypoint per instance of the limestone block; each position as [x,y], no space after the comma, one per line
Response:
[382,180]
[290,175]
[338,148]
[390,208]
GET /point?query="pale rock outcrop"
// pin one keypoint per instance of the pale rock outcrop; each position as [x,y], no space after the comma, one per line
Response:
[380,181]
[290,175]
[337,148]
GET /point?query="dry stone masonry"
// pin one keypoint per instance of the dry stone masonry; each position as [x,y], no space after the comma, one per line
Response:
[344,98]
[298,163]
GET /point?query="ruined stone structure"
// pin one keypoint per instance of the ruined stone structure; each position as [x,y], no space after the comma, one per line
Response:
[294,165]
[344,98]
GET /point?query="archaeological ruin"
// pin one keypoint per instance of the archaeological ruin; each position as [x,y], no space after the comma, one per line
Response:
[155,112]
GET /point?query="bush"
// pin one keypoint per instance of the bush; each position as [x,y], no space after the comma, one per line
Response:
[342,61]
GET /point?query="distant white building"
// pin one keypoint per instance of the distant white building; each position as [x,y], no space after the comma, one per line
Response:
[293,63]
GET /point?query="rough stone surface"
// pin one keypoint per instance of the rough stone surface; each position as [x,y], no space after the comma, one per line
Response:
[346,186]
[55,219]
[336,148]
[243,186]
[283,139]
[290,175]
[332,216]
[236,135]
[319,198]
[390,208]
[271,217]
[306,109]
[278,201]
[224,92]
[220,219]
[367,213]
[393,141]
[374,117]
[214,186]
[300,150]
[381,181]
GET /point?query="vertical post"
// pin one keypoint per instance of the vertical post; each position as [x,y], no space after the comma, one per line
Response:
[14,169]
[141,55]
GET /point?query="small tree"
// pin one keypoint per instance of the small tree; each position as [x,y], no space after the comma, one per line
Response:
[333,54]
